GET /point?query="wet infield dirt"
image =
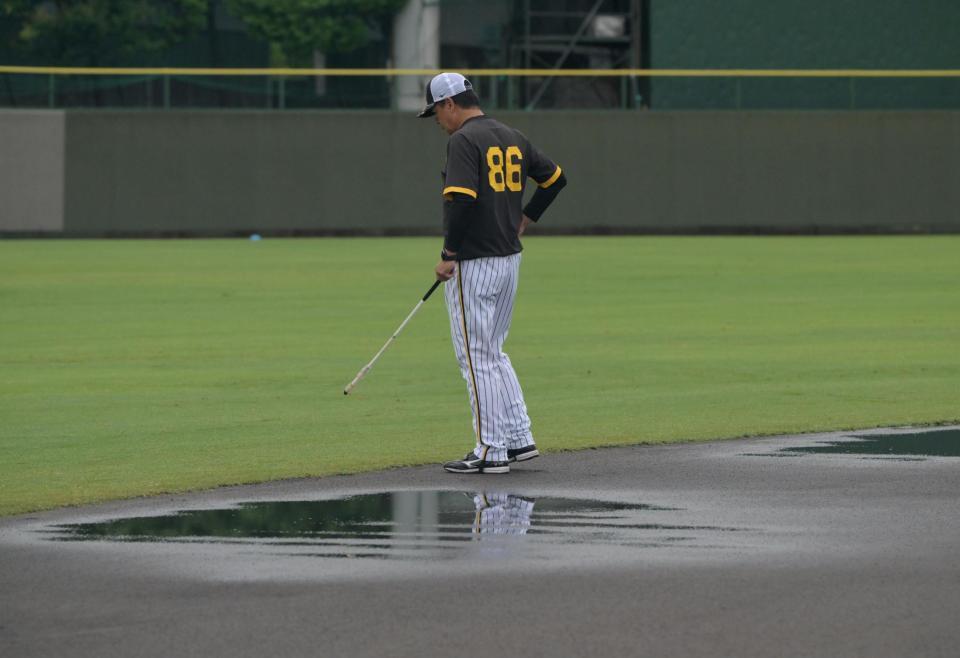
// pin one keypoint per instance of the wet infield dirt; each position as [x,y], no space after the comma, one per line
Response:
[704,549]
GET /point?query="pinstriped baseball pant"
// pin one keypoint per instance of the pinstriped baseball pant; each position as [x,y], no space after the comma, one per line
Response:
[502,514]
[480,304]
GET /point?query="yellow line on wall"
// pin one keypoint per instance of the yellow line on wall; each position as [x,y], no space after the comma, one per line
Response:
[675,73]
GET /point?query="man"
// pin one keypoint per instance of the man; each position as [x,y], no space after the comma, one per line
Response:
[483,219]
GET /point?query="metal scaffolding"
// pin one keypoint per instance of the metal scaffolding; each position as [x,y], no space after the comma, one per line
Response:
[580,34]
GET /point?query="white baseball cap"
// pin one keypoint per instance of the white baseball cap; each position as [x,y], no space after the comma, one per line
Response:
[442,86]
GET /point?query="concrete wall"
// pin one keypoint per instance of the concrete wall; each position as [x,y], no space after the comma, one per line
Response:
[211,172]
[31,171]
[769,171]
[208,173]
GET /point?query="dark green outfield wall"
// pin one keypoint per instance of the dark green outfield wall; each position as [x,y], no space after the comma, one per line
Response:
[216,173]
[209,173]
[221,172]
[805,34]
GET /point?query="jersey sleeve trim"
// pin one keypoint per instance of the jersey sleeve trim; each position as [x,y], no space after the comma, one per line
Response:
[461,190]
[553,179]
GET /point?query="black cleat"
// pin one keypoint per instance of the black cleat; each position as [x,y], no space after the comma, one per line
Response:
[473,464]
[523,454]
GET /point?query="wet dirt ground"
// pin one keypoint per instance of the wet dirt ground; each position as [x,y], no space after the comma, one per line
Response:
[843,544]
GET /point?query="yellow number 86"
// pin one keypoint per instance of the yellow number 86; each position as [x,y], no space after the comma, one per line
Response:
[495,161]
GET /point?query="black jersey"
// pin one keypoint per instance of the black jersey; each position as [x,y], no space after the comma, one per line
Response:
[490,162]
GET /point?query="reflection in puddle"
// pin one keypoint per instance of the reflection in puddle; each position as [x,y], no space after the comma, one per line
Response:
[896,447]
[409,524]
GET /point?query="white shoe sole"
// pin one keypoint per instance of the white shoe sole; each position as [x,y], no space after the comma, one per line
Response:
[525,456]
[489,469]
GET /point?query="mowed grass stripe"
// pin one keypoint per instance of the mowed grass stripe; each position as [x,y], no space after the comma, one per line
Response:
[138,367]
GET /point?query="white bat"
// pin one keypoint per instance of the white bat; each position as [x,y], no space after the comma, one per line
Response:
[365,369]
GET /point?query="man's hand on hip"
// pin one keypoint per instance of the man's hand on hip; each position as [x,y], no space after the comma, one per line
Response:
[523,225]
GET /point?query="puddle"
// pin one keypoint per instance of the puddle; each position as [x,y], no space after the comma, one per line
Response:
[914,446]
[410,525]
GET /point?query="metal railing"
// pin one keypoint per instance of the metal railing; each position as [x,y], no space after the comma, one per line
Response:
[341,88]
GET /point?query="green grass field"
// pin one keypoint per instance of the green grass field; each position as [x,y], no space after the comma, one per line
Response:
[139,367]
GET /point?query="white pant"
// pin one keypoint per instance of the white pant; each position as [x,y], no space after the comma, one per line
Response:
[480,304]
[502,514]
